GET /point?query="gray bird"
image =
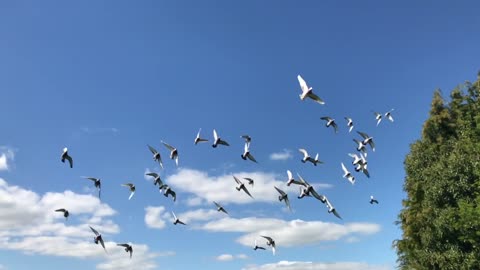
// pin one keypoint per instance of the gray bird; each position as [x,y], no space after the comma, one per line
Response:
[217,140]
[270,242]
[372,200]
[65,212]
[220,208]
[167,190]
[332,209]
[98,238]
[156,179]
[173,152]
[176,220]
[198,139]
[330,122]
[367,140]
[283,197]
[65,156]
[131,187]
[97,182]
[156,155]
[241,186]
[128,248]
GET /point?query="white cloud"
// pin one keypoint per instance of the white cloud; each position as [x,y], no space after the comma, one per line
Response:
[194,201]
[230,257]
[293,265]
[284,155]
[7,156]
[199,215]
[155,217]
[90,130]
[142,258]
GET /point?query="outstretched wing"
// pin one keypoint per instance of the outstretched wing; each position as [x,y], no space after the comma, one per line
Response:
[316,98]
[103,244]
[236,180]
[287,202]
[318,196]
[152,174]
[303,84]
[304,152]
[363,134]
[60,210]
[94,231]
[70,160]
[246,191]
[280,191]
[171,148]
[152,149]
[250,156]
[344,169]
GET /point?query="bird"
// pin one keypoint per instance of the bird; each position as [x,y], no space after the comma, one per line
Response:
[308,91]
[132,189]
[330,122]
[65,212]
[283,197]
[378,117]
[367,140]
[128,248]
[217,140]
[307,157]
[173,152]
[257,246]
[303,193]
[97,182]
[270,242]
[310,191]
[66,156]
[176,220]
[332,209]
[246,153]
[167,190]
[220,208]
[360,146]
[98,238]
[249,180]
[349,123]
[372,200]
[242,186]
[198,139]
[356,158]
[388,115]
[348,175]
[247,138]
[291,180]
[156,179]
[362,167]
[156,155]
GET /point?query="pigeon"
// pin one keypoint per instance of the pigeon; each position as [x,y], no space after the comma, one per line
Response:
[291,180]
[168,190]
[360,146]
[378,117]
[67,157]
[257,246]
[156,155]
[367,140]
[310,191]
[132,189]
[388,115]
[246,153]
[176,220]
[332,209]
[330,122]
[157,179]
[307,157]
[308,91]
[220,208]
[98,238]
[198,139]
[247,138]
[242,186]
[349,123]
[173,152]
[348,175]
[283,197]
[250,181]
[65,212]
[362,167]
[270,242]
[217,140]
[372,200]
[303,193]
[97,182]
[356,158]
[128,248]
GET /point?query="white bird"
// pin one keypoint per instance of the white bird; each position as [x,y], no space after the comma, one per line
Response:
[283,197]
[246,153]
[330,122]
[173,152]
[332,209]
[348,175]
[242,186]
[362,167]
[356,158]
[360,146]
[291,180]
[65,156]
[156,155]
[270,242]
[220,208]
[378,117]
[132,189]
[388,115]
[349,123]
[308,91]
[176,220]
[367,140]
[372,200]
[307,157]
[217,140]
[309,190]
[198,139]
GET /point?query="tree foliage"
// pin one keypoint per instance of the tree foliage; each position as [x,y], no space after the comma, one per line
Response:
[440,218]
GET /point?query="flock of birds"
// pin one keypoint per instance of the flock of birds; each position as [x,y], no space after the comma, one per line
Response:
[306,189]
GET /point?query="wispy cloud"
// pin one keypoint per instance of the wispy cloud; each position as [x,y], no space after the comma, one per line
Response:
[155,217]
[7,155]
[284,155]
[99,130]
[230,257]
[297,265]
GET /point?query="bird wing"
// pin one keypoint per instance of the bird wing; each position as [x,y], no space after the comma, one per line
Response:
[365,171]
[123,245]
[103,244]
[236,180]
[304,152]
[246,191]
[215,135]
[289,173]
[304,182]
[246,147]
[344,169]
[181,222]
[316,98]
[326,118]
[336,214]
[318,196]
[287,202]
[70,160]
[152,149]
[250,156]
[302,83]
[363,134]
[171,148]
[174,195]
[129,185]
[223,142]
[267,237]
[60,210]
[250,180]
[91,178]
[94,231]
[372,144]
[273,250]
[280,191]
[152,174]
[131,195]
[335,126]
[174,216]
[353,155]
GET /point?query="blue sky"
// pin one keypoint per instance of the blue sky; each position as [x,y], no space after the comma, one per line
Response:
[106,78]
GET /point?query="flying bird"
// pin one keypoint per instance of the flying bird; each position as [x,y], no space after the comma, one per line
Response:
[378,117]
[303,193]
[310,191]
[173,152]
[257,246]
[270,242]
[198,139]
[167,190]
[220,208]
[291,180]
[241,186]
[283,197]
[156,155]
[362,167]
[307,157]
[65,212]
[97,182]
[308,91]
[128,248]
[332,209]
[132,189]
[249,180]
[349,123]
[388,115]
[176,220]
[247,138]
[348,175]
[217,140]
[367,140]
[372,200]
[65,156]
[98,238]
[360,146]
[246,153]
[330,122]
[156,179]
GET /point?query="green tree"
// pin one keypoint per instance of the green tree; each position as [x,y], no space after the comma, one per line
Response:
[440,218]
